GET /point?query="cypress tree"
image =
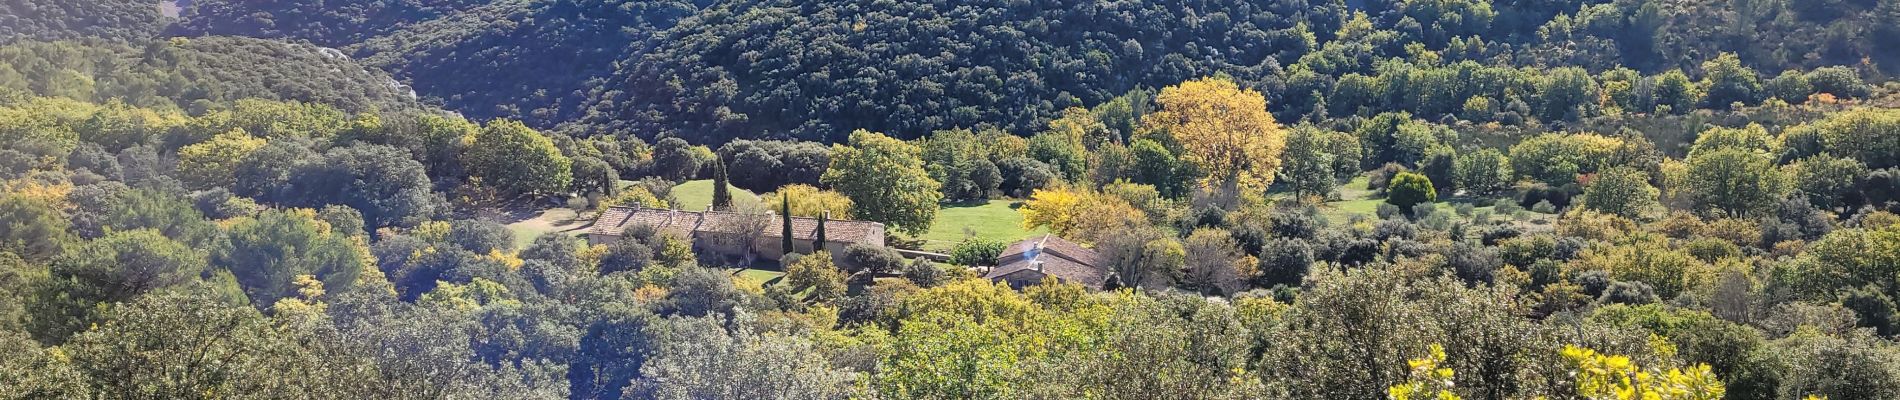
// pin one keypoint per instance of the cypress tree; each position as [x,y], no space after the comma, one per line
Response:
[786,215]
[818,235]
[722,196]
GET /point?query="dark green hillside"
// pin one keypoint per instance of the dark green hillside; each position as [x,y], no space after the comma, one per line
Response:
[816,70]
[185,72]
[1656,35]
[73,19]
[329,23]
[529,59]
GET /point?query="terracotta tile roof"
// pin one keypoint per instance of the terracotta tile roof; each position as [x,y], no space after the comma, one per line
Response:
[615,220]
[1067,270]
[1060,258]
[1051,244]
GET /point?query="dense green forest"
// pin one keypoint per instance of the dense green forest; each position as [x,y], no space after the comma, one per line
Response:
[56,19]
[814,70]
[1286,199]
[535,60]
[325,23]
[192,74]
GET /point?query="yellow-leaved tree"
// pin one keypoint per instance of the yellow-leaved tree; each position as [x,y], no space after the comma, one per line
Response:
[809,201]
[1224,131]
[1083,216]
[1428,380]
[1598,376]
[213,163]
[1602,376]
[1054,208]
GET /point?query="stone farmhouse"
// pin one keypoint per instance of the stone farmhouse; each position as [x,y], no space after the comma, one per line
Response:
[724,234]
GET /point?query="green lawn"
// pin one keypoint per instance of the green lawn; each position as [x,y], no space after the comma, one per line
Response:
[1355,189]
[696,195]
[1357,200]
[994,220]
[761,276]
[1342,211]
[551,220]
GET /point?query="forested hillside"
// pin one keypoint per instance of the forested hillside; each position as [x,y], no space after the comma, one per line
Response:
[814,70]
[1771,35]
[325,23]
[62,19]
[187,72]
[847,199]
[536,60]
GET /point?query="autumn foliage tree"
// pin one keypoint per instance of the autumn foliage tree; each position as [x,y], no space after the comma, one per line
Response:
[1224,131]
[808,201]
[213,163]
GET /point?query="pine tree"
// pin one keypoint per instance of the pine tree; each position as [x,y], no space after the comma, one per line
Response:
[722,195]
[786,214]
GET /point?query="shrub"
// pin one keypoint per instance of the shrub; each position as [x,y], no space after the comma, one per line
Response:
[863,257]
[1593,282]
[1482,217]
[1394,228]
[1508,208]
[1437,221]
[924,273]
[1409,189]
[1388,211]
[1378,179]
[1500,233]
[975,252]
[1628,293]
[1710,250]
[1294,223]
[1544,207]
[1545,272]
[1839,81]
[1568,248]
[1474,264]
[1285,261]
[1558,196]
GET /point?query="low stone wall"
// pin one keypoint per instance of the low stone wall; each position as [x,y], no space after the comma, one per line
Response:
[912,254]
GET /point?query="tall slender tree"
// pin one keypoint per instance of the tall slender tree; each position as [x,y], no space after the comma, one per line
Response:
[722,194]
[818,234]
[785,214]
